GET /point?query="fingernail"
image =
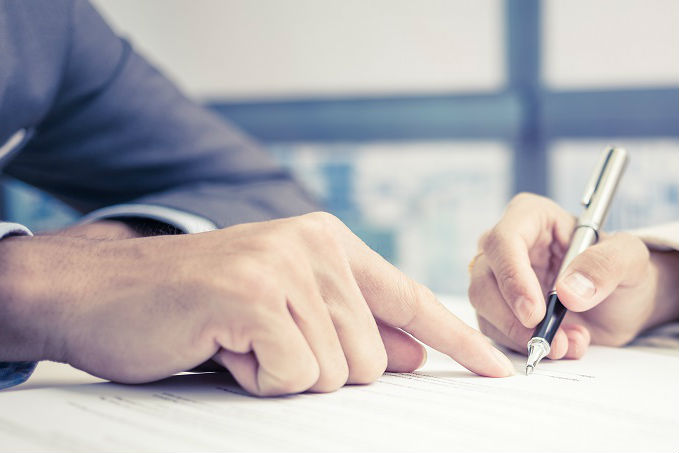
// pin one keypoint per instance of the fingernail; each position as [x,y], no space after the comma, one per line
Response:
[523,308]
[580,285]
[424,360]
[503,361]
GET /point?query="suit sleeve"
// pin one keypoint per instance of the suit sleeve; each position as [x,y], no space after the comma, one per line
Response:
[119,132]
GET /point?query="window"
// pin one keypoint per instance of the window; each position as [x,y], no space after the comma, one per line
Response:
[415,122]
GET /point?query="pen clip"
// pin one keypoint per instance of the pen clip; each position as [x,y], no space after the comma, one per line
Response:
[595,179]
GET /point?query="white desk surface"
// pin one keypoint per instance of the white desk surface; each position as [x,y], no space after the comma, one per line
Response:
[610,410]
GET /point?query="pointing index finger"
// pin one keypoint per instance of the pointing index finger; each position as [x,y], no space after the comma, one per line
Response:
[401,302]
[436,326]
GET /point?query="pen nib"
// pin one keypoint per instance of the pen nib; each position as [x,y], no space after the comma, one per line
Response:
[538,348]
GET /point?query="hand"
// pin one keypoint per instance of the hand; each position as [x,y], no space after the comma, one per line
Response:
[286,306]
[613,290]
[102,230]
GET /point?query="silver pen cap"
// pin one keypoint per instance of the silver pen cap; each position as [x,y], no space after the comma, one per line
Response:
[601,187]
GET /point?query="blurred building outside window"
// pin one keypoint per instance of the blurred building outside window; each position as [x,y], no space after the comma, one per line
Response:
[484,99]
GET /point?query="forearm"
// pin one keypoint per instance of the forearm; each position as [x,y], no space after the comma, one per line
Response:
[34,281]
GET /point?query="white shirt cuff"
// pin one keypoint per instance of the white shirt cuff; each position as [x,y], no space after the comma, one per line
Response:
[184,221]
[660,237]
[13,229]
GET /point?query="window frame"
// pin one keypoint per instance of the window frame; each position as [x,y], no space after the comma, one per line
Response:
[526,114]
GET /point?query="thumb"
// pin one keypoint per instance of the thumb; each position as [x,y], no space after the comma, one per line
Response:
[618,260]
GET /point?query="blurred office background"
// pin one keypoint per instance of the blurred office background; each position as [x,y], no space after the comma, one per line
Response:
[415,122]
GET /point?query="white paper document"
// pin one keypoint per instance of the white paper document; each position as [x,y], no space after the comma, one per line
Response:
[612,400]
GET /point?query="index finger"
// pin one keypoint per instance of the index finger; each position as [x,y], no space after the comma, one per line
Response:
[529,222]
[399,301]
[507,256]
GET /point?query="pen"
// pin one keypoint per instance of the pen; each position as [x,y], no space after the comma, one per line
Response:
[596,200]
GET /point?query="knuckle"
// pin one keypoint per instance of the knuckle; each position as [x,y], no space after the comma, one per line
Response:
[527,202]
[368,367]
[321,230]
[411,294]
[236,337]
[510,285]
[597,264]
[298,381]
[333,378]
[488,240]
[320,221]
[421,294]
[495,239]
[309,376]
[515,330]
[523,197]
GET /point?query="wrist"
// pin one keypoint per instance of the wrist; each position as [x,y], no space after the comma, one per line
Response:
[664,271]
[19,341]
[39,288]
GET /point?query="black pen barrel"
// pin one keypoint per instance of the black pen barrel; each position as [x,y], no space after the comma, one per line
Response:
[552,320]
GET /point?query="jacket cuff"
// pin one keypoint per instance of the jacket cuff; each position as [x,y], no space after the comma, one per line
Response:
[15,373]
[181,220]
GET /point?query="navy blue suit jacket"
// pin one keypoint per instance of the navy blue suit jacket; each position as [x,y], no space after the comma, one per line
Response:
[108,128]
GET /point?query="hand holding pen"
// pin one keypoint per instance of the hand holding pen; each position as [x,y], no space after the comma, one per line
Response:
[597,202]
[613,290]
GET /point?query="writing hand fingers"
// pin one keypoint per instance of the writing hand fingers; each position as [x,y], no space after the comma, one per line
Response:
[499,321]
